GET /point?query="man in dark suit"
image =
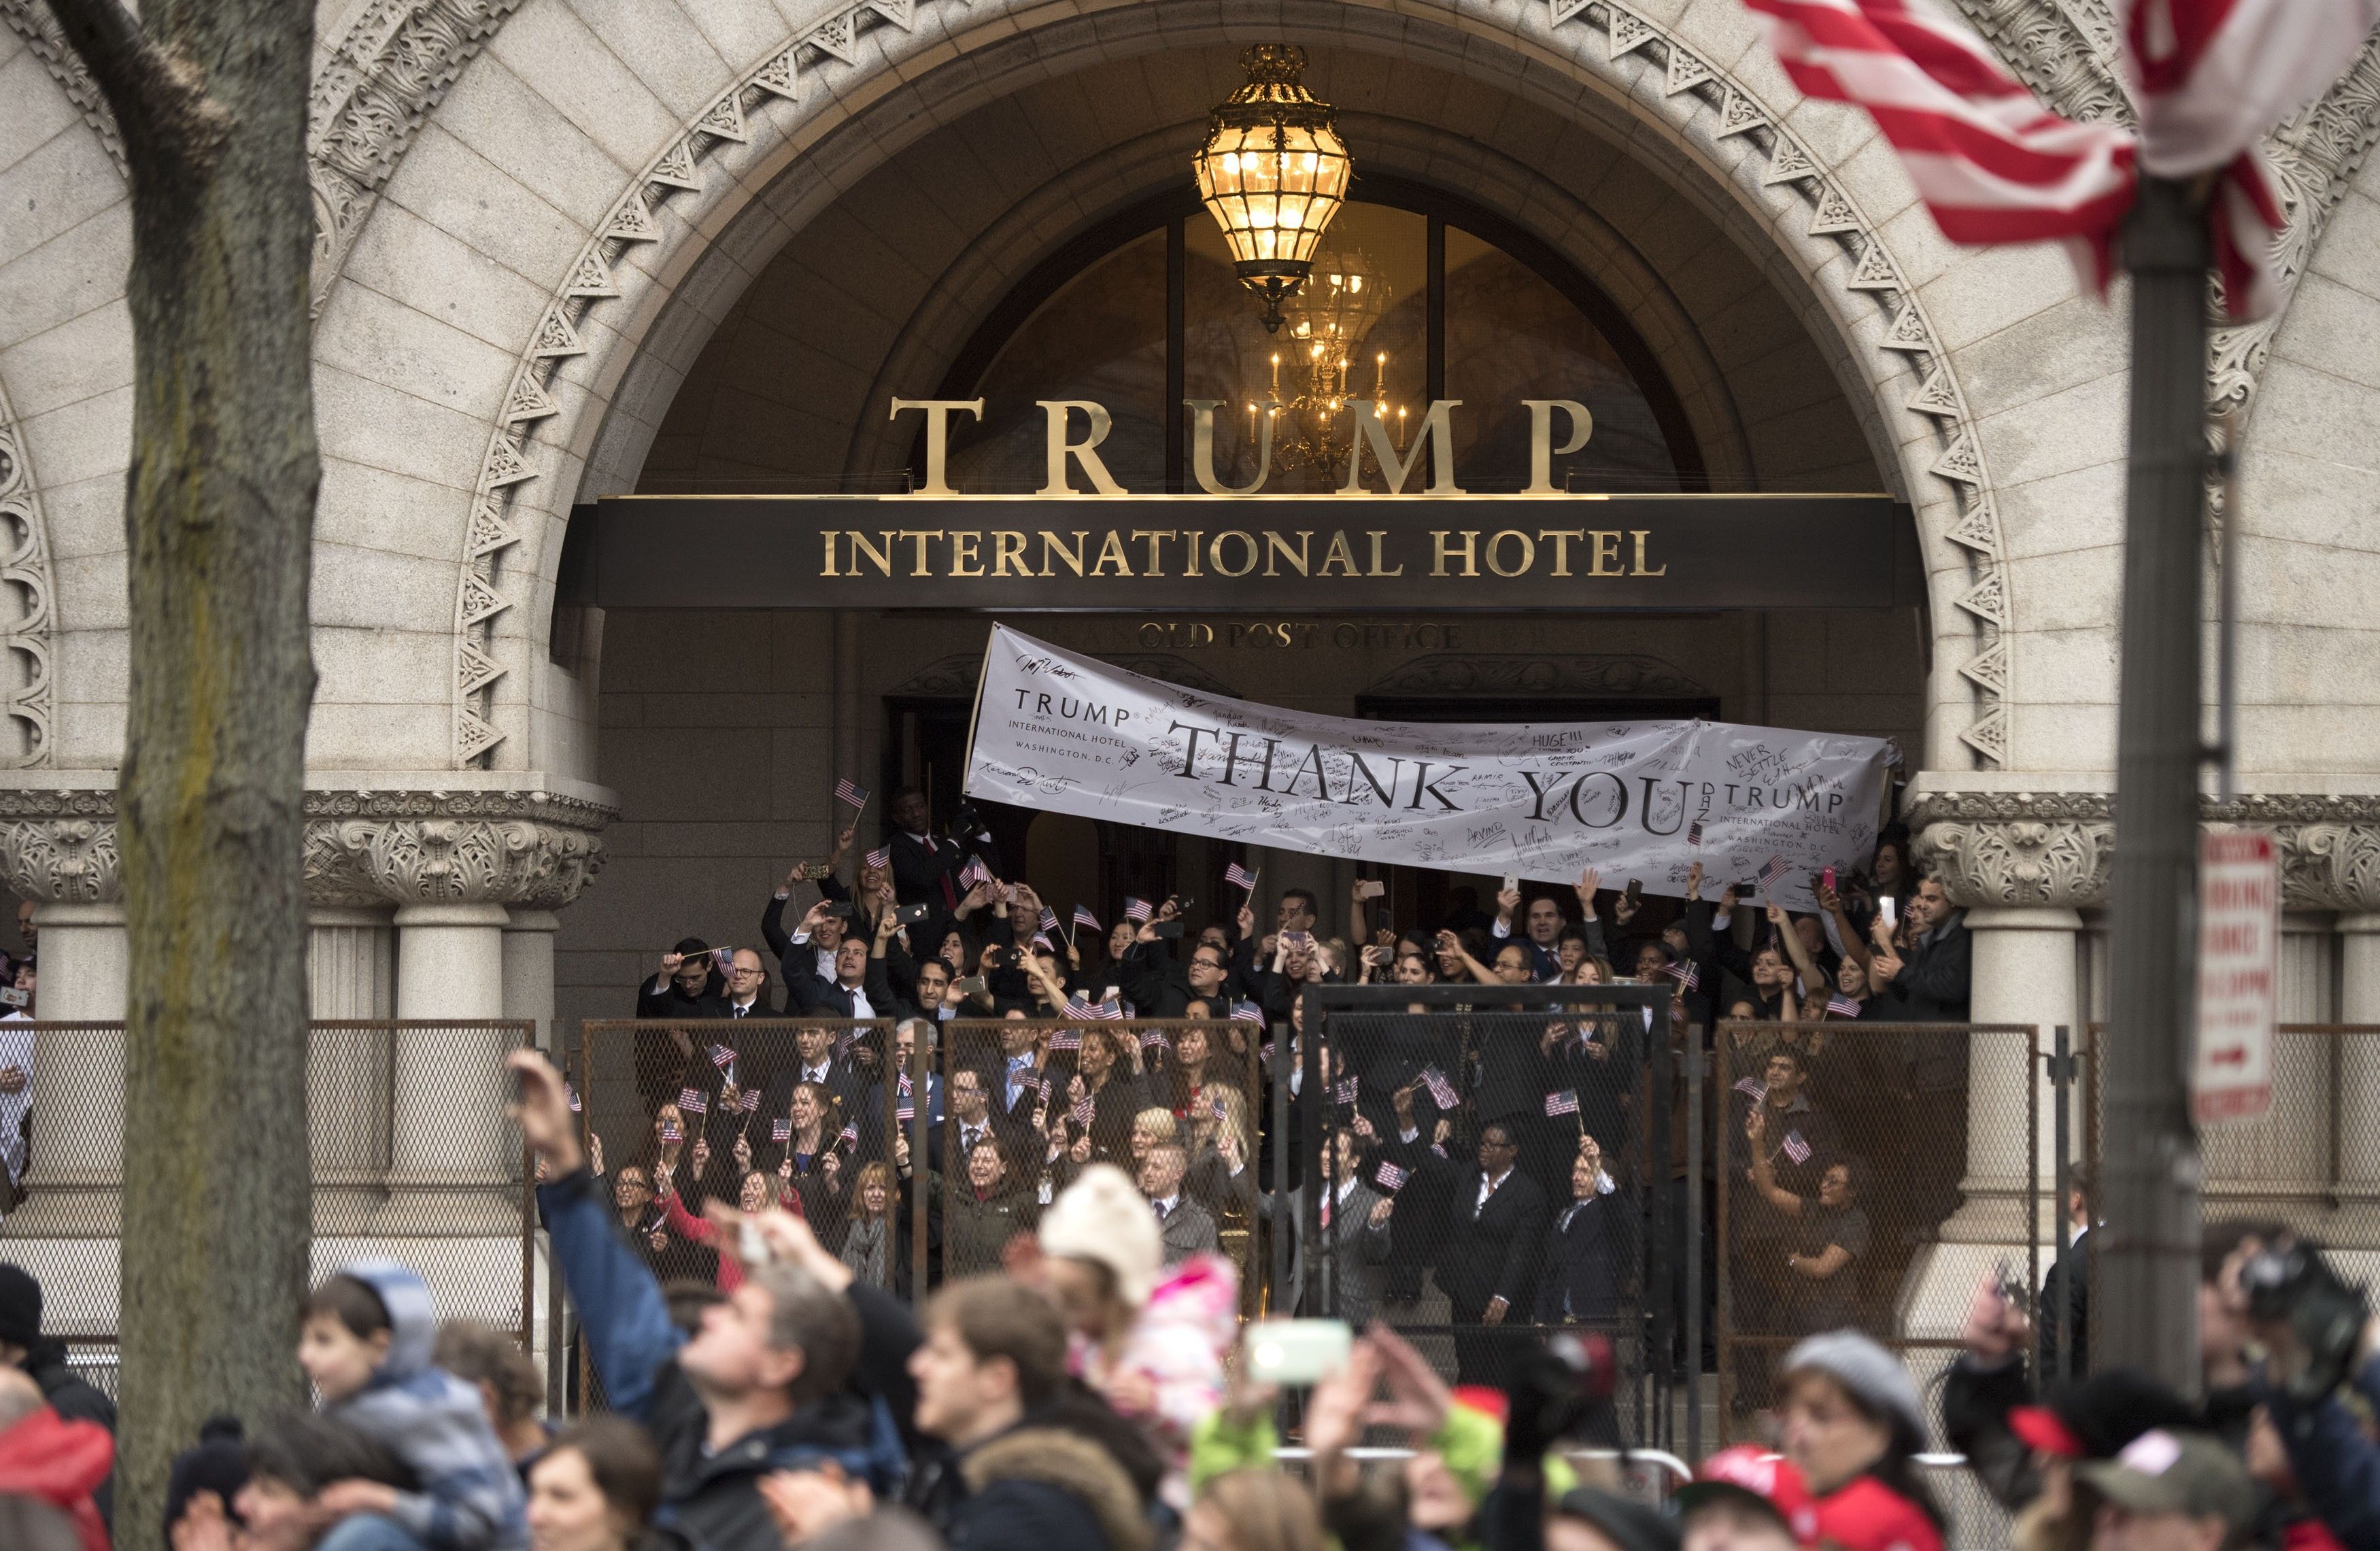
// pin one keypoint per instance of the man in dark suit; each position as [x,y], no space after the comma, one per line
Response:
[924,869]
[859,989]
[1184,1226]
[687,987]
[1583,1247]
[1354,1232]
[2066,1291]
[1014,1082]
[1488,1261]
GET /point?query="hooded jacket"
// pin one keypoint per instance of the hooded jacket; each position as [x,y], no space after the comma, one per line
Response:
[1046,1489]
[77,1399]
[712,1499]
[470,1497]
[60,1462]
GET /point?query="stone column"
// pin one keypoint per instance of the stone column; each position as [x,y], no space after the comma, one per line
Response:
[2021,866]
[2333,863]
[65,862]
[528,969]
[351,975]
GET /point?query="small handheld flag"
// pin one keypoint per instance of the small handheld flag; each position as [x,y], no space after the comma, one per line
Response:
[1841,1006]
[1754,1086]
[722,1057]
[849,1136]
[1246,1012]
[724,960]
[1215,1107]
[693,1101]
[1153,1038]
[1239,877]
[906,1109]
[1772,872]
[1345,1092]
[751,1100]
[1137,909]
[1041,940]
[845,791]
[781,1131]
[1263,1052]
[671,1132]
[1081,1113]
[1048,919]
[1067,1040]
[1795,1148]
[1562,1103]
[883,857]
[1442,1092]
[975,872]
[1684,973]
[1082,917]
[1695,832]
[1392,1178]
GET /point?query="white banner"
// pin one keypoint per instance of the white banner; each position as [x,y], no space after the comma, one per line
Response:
[1639,800]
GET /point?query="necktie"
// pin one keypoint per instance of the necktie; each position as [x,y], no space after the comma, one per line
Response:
[1161,1211]
[1326,1211]
[741,1011]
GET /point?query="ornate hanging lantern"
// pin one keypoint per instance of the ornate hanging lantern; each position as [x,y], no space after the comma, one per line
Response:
[1273,173]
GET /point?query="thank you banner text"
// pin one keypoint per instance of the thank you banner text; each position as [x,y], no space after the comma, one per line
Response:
[1068,733]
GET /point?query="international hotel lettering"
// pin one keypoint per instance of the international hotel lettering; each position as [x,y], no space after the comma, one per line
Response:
[1399,531]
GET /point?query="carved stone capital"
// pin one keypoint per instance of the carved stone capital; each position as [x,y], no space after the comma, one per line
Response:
[2330,867]
[2040,861]
[536,850]
[62,860]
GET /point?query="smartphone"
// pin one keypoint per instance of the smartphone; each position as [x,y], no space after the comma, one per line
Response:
[1298,1351]
[1739,891]
[1370,889]
[1180,902]
[815,871]
[11,997]
[1298,939]
[1512,883]
[1636,891]
[839,907]
[1166,928]
[971,984]
[1887,910]
[1827,879]
[910,914]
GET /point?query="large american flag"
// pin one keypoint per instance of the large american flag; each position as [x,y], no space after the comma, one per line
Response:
[1239,877]
[847,792]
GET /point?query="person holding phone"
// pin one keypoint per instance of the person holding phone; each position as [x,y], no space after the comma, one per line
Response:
[859,988]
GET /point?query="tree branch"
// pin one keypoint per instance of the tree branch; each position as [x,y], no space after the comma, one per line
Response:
[159,97]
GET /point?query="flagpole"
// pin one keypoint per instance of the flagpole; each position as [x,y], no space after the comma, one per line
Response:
[2148,1268]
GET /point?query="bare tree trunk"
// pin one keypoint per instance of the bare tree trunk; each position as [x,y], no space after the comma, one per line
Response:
[211,98]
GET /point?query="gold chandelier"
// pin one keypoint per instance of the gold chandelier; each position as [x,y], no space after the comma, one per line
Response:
[1273,173]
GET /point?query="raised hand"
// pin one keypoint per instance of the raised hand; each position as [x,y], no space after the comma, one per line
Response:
[543,1111]
[1381,1210]
[1507,904]
[1776,913]
[670,963]
[1694,880]
[1589,882]
[1246,922]
[742,1153]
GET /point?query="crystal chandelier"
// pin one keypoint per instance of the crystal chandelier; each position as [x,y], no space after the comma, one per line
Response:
[1273,172]
[1329,320]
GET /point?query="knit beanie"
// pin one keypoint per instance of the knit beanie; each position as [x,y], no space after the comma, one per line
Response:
[1103,1218]
[219,1464]
[1870,1374]
[20,1307]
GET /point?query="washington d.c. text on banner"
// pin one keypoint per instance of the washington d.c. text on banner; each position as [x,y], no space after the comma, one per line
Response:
[1067,734]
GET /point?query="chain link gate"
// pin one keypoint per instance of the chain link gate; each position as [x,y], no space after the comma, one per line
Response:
[1503,1164]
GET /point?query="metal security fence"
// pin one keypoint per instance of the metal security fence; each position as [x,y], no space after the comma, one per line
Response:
[1483,1166]
[1840,1149]
[412,1158]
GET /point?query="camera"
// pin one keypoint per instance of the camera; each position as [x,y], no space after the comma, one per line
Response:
[2293,1285]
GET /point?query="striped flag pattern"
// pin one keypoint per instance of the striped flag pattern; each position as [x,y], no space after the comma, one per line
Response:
[571,1093]
[722,1057]
[1081,1113]
[751,1101]
[1841,1006]
[1152,1038]
[1392,1178]
[1048,919]
[1246,1012]
[1239,877]
[1137,909]
[1695,832]
[855,796]
[693,1102]
[672,1131]
[781,1131]
[975,872]
[1082,917]
[1683,972]
[849,1136]
[1794,1147]
[1068,1040]
[1562,1103]
[883,857]
[1752,1085]
[1992,164]
[1772,871]
[1442,1092]
[1345,1092]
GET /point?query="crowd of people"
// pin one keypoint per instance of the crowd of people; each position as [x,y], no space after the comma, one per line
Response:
[1086,1395]
[1498,1155]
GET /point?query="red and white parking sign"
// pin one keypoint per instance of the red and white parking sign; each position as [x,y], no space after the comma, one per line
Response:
[2239,964]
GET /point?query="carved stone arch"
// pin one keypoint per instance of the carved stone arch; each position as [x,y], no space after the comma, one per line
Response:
[1743,135]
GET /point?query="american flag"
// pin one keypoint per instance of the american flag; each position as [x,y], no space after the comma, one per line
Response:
[1695,832]
[1246,1012]
[1752,1085]
[855,796]
[1239,877]
[906,1109]
[1045,1087]
[849,1136]
[1067,1040]
[724,960]
[975,872]
[1081,1113]
[672,1131]
[904,1084]
[883,857]
[1152,1038]
[722,1057]
[1442,1092]
[1215,1107]
[781,1131]
[1439,1147]
[751,1100]
[1041,940]
[572,1095]
[1841,1006]
[1263,1052]
[1345,1092]
[1772,872]
[1137,909]
[1082,917]
[693,1102]
[1048,919]
[1794,1147]
[1392,1178]
[1683,972]
[1562,1103]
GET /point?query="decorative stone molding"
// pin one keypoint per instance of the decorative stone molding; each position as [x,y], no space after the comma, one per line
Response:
[2068,51]
[25,622]
[385,77]
[62,860]
[2057,848]
[1695,97]
[32,20]
[1530,673]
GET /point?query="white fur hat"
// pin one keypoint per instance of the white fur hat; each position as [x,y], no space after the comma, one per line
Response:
[1103,1218]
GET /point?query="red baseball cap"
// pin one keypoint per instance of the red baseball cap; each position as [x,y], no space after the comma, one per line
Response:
[1770,1481]
[1869,1516]
[2042,1428]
